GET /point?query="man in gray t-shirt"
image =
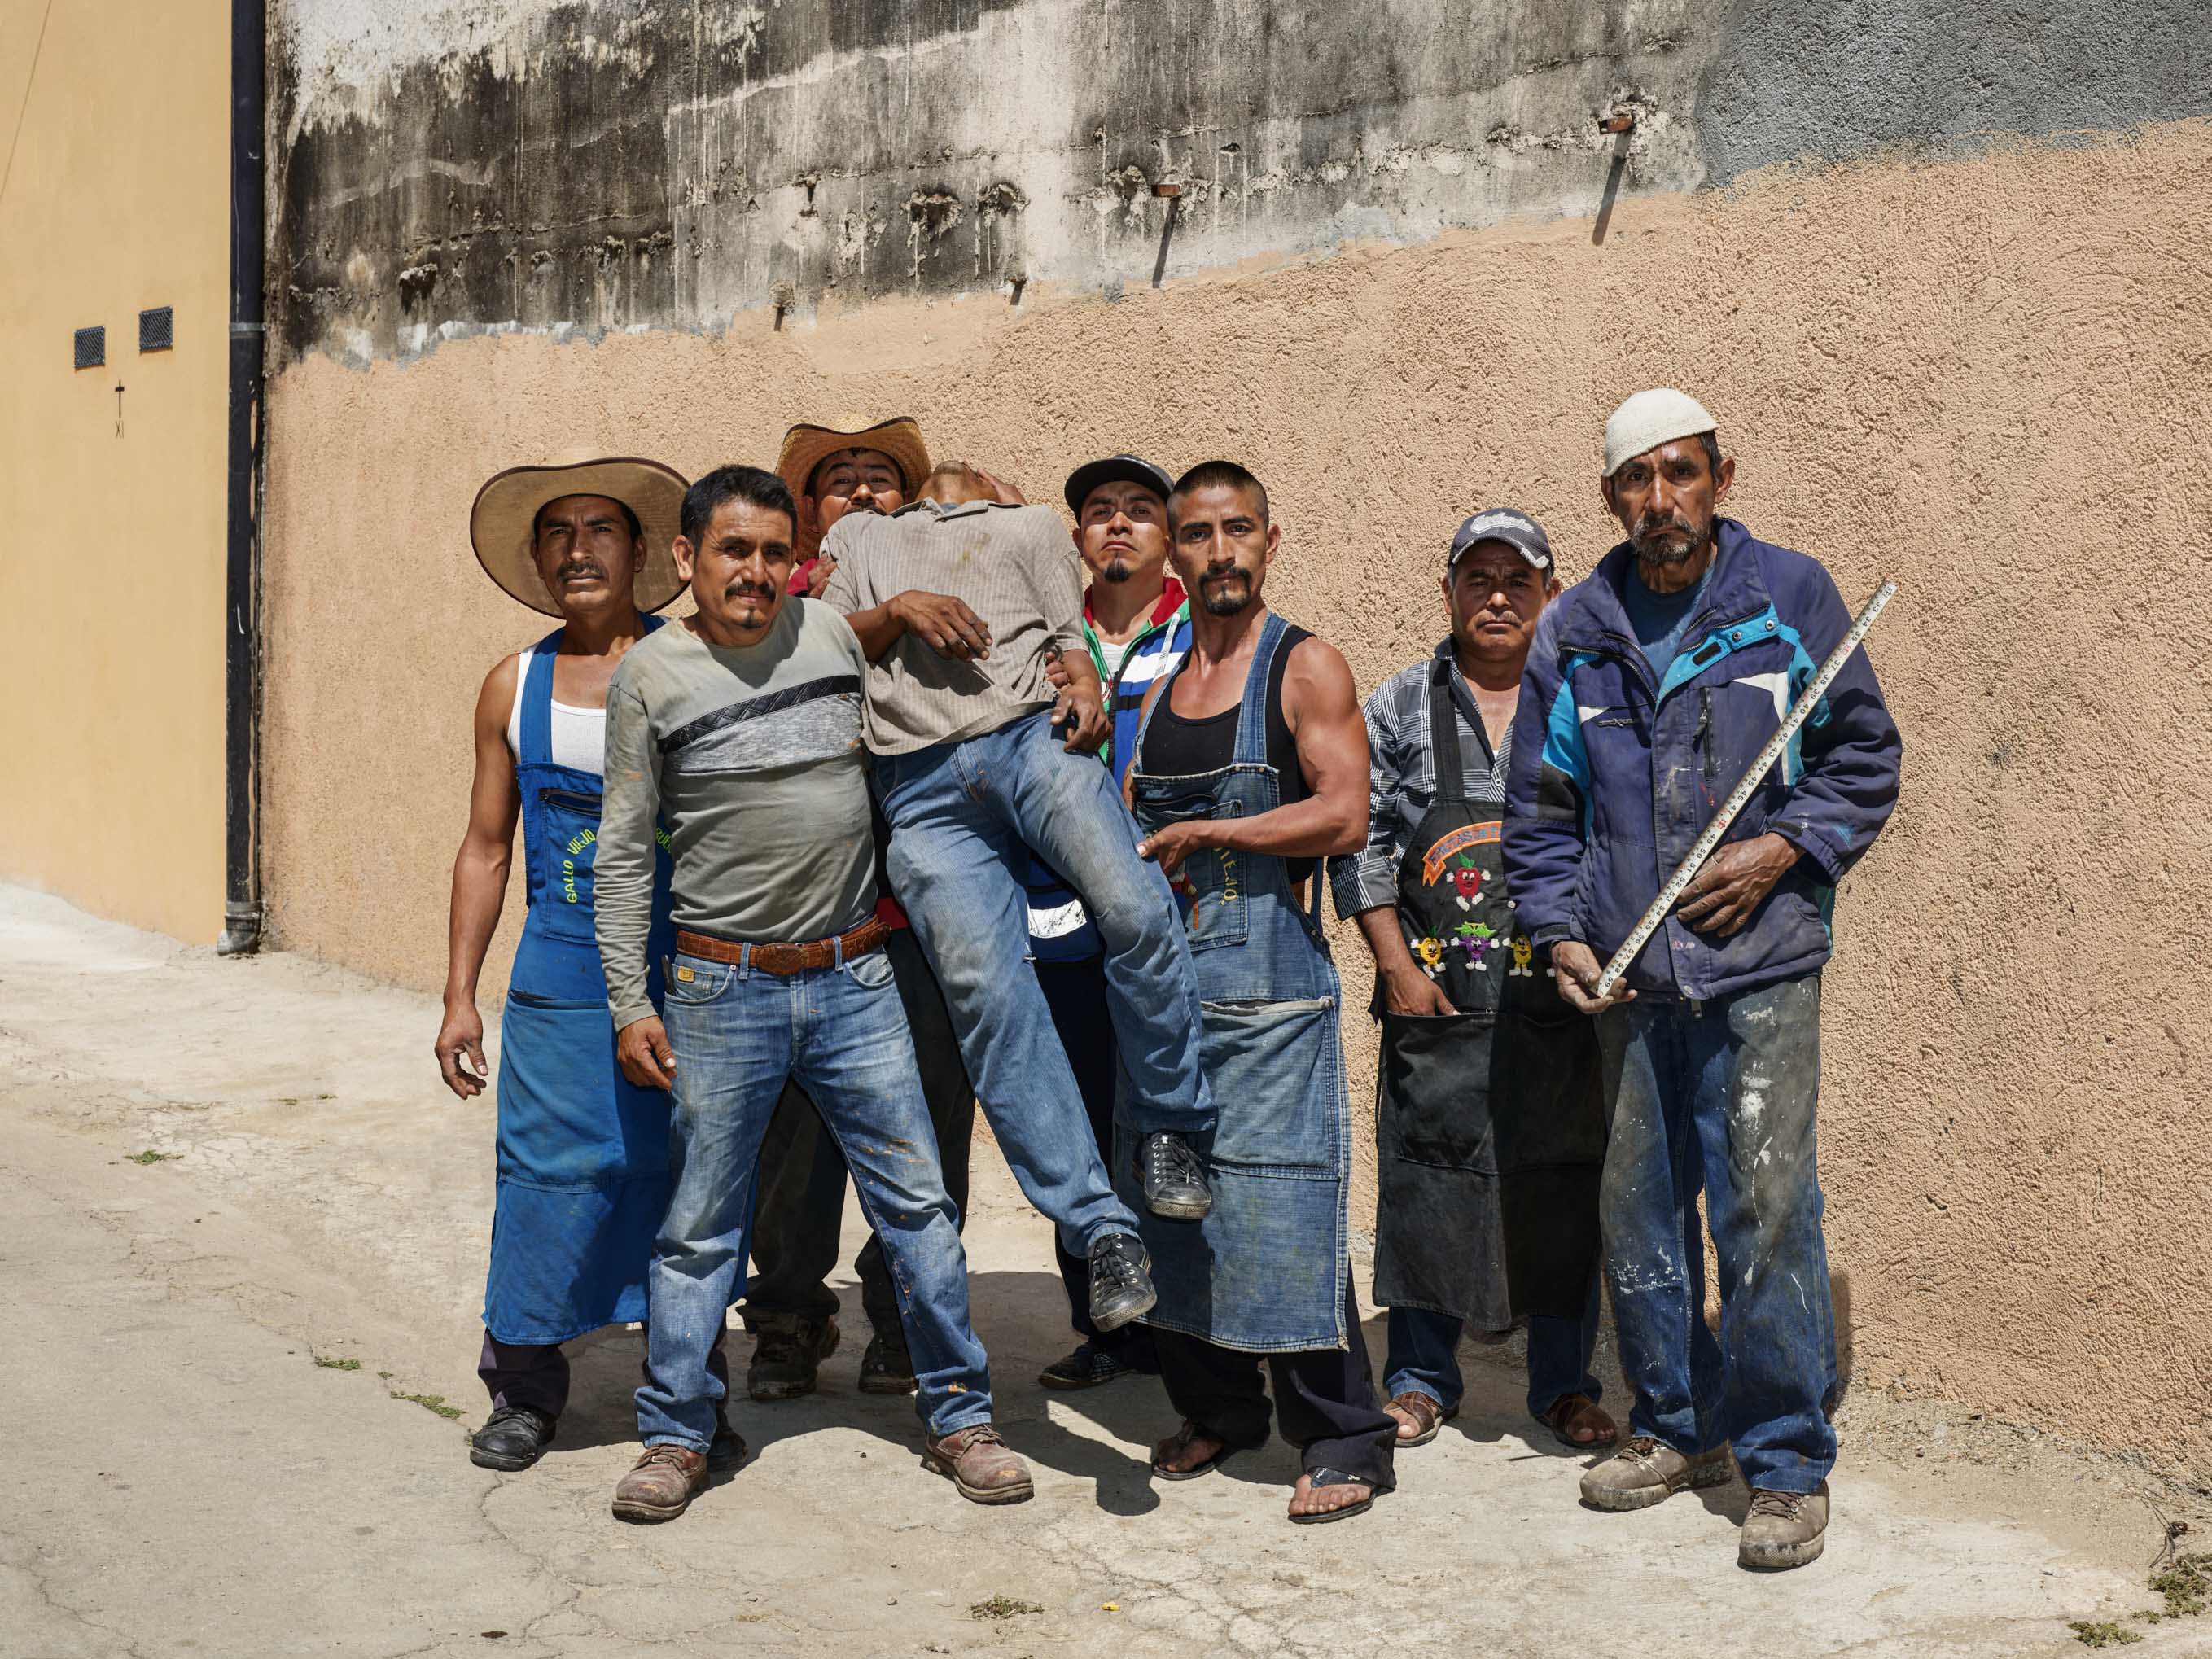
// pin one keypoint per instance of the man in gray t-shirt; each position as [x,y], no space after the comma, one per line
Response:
[959,605]
[740,727]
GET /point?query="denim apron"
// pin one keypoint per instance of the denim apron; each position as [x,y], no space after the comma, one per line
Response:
[1489,1122]
[583,1153]
[1264,1272]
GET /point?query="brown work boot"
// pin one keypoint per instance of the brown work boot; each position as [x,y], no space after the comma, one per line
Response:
[787,1351]
[982,1465]
[1784,1528]
[660,1485]
[1645,1472]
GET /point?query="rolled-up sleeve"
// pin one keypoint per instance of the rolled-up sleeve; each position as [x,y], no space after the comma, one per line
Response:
[1368,880]
[622,868]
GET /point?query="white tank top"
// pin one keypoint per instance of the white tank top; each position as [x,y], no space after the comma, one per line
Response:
[580,735]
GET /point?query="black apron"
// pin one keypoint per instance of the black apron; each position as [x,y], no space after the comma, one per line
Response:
[1489,1122]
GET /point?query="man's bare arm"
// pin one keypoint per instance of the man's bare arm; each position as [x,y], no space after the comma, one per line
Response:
[479,884]
[943,623]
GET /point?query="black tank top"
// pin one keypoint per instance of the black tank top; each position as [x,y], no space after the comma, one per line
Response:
[1176,747]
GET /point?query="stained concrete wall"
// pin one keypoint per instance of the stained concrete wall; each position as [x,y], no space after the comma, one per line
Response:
[113,198]
[1979,366]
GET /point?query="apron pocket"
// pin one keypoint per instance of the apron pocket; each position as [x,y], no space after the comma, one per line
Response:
[1434,1105]
[1275,1070]
[569,1120]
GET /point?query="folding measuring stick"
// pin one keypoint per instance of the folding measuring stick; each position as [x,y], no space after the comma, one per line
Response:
[1734,804]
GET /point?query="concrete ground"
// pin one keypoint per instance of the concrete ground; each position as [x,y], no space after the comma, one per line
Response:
[242,1228]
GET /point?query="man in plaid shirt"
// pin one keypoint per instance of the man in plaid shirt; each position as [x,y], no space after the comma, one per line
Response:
[1499,577]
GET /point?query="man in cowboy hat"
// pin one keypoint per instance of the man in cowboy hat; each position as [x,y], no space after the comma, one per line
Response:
[583,1162]
[832,470]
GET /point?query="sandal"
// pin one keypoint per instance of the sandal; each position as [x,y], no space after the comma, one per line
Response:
[1180,1441]
[1575,1410]
[1428,1418]
[1317,1478]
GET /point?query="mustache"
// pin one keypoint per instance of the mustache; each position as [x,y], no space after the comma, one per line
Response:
[743,590]
[579,568]
[1666,537]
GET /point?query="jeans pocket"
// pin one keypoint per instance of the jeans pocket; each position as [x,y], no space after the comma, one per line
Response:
[872,972]
[692,979]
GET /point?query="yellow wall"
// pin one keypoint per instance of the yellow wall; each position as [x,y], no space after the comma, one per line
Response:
[115,199]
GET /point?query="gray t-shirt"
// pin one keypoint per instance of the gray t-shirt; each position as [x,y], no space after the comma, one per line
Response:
[753,754]
[1014,567]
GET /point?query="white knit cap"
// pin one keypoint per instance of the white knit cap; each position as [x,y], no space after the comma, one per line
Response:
[1649,419]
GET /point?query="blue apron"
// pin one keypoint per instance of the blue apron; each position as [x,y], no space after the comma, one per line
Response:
[1264,1272]
[583,1153]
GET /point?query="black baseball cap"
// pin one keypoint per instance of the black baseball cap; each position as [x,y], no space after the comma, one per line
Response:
[1503,524]
[1115,469]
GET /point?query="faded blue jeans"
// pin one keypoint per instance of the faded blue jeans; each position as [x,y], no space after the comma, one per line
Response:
[842,1034]
[1424,1356]
[963,818]
[1722,1094]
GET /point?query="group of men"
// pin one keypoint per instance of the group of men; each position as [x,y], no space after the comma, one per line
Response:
[904,818]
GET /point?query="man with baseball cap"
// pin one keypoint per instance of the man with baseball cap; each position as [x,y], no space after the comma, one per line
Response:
[833,470]
[1488,1115]
[1651,687]
[583,1155]
[1137,624]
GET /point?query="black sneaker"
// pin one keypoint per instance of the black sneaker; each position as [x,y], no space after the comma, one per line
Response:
[787,1354]
[1173,1178]
[1120,1281]
[1088,1367]
[886,1368]
[513,1438]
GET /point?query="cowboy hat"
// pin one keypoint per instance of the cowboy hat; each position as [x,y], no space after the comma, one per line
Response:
[806,444]
[502,523]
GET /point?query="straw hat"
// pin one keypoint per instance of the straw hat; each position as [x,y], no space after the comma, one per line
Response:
[806,444]
[506,508]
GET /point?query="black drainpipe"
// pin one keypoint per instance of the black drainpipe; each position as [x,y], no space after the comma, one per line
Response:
[241,664]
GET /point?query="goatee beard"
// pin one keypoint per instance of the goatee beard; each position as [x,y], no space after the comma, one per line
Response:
[1117,570]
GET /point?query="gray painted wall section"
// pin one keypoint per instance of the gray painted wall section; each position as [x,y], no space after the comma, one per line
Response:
[557,164]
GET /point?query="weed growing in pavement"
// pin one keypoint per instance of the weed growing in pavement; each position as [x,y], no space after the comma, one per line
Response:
[149,1156]
[2186,1585]
[330,1365]
[429,1402]
[1001,1607]
[2101,1633]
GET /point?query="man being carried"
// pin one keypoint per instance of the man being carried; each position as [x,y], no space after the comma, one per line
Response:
[1136,623]
[789,1305]
[1250,767]
[1651,687]
[745,720]
[583,1156]
[1489,1120]
[957,607]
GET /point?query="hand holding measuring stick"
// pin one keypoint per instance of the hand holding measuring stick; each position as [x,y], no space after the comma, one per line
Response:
[1598,995]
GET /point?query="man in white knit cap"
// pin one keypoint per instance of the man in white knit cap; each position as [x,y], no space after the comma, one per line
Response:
[1651,688]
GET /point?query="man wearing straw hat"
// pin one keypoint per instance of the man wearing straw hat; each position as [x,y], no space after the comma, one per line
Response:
[832,470]
[1651,687]
[583,1154]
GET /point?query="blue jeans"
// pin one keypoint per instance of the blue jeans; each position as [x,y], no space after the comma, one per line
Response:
[840,1033]
[1721,1095]
[1424,1356]
[964,816]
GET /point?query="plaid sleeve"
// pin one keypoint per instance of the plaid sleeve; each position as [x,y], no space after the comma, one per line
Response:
[1368,880]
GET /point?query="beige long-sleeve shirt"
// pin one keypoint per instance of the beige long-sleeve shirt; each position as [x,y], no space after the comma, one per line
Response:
[1014,567]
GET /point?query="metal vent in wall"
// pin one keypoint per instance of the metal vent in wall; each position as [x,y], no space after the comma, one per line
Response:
[91,347]
[157,329]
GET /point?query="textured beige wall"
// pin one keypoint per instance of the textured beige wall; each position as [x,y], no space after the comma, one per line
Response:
[1988,378]
[111,777]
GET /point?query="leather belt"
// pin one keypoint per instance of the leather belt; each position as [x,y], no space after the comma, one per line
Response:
[787,958]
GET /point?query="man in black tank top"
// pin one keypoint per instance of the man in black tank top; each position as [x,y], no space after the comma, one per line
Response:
[1267,983]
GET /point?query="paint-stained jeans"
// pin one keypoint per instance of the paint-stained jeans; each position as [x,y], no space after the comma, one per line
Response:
[964,816]
[1721,1094]
[738,1033]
